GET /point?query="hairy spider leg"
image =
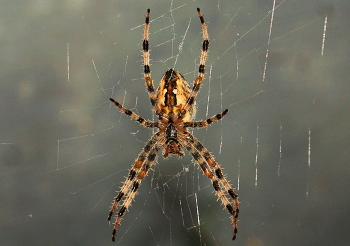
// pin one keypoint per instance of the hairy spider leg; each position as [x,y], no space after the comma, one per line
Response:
[207,162]
[203,58]
[207,122]
[138,171]
[146,65]
[142,121]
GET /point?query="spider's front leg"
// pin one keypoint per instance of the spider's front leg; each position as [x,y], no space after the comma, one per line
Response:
[139,170]
[208,164]
[135,169]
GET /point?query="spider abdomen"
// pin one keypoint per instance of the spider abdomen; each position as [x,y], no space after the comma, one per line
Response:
[172,93]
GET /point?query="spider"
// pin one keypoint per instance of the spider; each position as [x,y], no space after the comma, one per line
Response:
[174,105]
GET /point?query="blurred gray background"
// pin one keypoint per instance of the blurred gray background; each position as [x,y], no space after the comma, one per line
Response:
[64,149]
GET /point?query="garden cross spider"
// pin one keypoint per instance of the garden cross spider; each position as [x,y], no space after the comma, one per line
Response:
[174,104]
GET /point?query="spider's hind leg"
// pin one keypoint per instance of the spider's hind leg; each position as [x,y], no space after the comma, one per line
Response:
[146,65]
[203,58]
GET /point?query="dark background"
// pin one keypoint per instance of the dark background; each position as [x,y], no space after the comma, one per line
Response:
[64,149]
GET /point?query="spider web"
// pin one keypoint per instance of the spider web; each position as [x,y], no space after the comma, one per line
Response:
[279,67]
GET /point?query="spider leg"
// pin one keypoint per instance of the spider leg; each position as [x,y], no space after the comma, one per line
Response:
[142,121]
[146,65]
[206,161]
[135,169]
[206,122]
[136,175]
[203,58]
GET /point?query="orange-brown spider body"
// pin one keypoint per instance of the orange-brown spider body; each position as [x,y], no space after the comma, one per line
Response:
[174,103]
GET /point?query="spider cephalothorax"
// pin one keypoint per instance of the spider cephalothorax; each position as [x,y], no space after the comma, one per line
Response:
[174,103]
[172,145]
